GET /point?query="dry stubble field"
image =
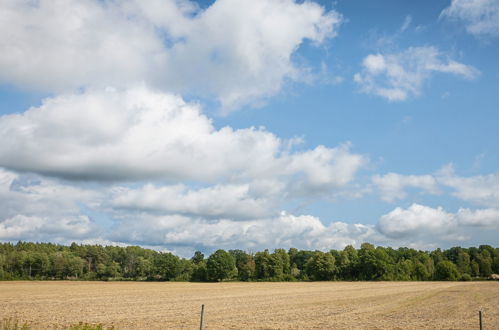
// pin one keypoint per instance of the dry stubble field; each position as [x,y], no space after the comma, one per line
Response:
[338,305]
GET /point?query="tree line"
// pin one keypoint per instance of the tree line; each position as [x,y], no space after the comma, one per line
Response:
[47,261]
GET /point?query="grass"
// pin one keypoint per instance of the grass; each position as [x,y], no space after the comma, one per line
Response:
[11,323]
[87,326]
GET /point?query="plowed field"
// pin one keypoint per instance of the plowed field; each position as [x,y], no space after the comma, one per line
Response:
[320,305]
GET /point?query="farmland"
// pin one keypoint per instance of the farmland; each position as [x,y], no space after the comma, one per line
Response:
[155,305]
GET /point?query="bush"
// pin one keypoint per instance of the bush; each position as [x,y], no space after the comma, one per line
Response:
[466,277]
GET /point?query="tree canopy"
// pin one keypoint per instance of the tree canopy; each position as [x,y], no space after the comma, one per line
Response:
[25,260]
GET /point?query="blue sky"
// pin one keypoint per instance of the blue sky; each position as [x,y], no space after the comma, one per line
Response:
[183,125]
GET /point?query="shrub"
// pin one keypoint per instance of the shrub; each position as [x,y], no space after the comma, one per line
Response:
[466,277]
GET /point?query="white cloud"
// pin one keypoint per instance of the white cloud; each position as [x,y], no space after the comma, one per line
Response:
[417,220]
[61,45]
[426,227]
[481,218]
[480,16]
[285,231]
[220,201]
[141,134]
[33,228]
[406,24]
[321,168]
[6,180]
[398,76]
[417,226]
[39,209]
[392,185]
[481,189]
[45,210]
[37,196]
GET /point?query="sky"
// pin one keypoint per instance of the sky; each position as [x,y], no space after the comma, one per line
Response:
[250,124]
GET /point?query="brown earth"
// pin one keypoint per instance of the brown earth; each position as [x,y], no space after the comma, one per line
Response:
[319,305]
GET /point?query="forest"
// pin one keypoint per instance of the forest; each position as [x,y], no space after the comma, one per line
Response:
[47,261]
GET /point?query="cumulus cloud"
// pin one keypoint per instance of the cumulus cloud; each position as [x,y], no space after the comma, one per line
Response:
[34,228]
[37,196]
[140,134]
[35,208]
[417,220]
[481,17]
[284,231]
[38,209]
[392,186]
[481,217]
[6,180]
[233,182]
[58,46]
[231,201]
[481,189]
[417,226]
[162,174]
[420,225]
[397,76]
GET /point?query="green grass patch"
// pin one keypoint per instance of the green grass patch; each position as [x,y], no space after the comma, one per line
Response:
[11,323]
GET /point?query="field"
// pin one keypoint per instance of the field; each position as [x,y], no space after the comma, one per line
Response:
[338,305]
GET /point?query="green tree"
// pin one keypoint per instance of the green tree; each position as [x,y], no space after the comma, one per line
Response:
[349,263]
[495,262]
[263,265]
[142,267]
[475,268]
[425,259]
[58,261]
[197,257]
[374,263]
[404,270]
[437,256]
[245,265]
[74,266]
[421,272]
[321,267]
[300,258]
[101,270]
[463,262]
[220,266]
[3,264]
[113,269]
[199,273]
[186,269]
[167,266]
[485,262]
[446,271]
[282,263]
